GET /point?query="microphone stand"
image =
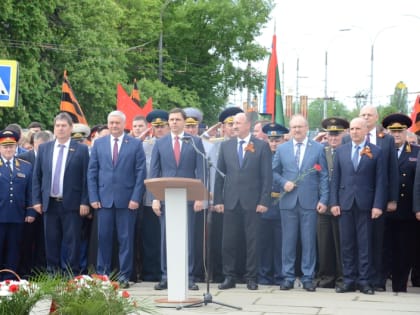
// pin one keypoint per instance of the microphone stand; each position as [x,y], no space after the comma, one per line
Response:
[207,297]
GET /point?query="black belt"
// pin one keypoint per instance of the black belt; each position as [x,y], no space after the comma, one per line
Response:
[57,199]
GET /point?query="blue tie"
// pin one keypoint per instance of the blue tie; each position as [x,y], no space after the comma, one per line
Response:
[9,167]
[57,171]
[241,152]
[297,155]
[355,158]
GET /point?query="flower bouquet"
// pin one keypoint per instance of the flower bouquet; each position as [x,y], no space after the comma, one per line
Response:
[17,297]
[96,294]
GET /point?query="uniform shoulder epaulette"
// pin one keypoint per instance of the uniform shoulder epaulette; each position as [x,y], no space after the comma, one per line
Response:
[23,161]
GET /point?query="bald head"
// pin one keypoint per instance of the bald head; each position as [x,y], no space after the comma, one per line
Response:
[370,114]
[358,130]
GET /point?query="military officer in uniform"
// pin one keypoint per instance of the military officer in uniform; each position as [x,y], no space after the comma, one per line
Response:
[15,202]
[329,257]
[269,236]
[400,225]
[150,226]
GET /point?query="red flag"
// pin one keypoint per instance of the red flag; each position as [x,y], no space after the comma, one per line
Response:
[415,117]
[129,107]
[69,102]
[272,102]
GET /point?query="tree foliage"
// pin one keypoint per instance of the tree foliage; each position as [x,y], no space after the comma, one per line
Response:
[105,42]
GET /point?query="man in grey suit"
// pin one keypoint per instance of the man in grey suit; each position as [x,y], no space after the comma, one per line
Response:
[117,169]
[242,195]
[300,167]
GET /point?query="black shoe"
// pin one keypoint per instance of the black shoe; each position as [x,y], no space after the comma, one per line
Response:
[345,288]
[286,285]
[252,285]
[309,286]
[192,286]
[229,283]
[367,289]
[162,285]
[124,284]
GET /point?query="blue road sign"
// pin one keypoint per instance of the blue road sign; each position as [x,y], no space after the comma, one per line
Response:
[8,83]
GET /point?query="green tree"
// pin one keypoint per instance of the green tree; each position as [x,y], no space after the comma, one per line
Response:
[334,108]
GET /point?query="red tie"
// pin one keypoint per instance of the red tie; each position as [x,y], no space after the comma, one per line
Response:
[177,150]
[115,152]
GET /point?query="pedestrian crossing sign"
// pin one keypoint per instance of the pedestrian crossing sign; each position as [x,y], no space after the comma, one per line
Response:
[8,83]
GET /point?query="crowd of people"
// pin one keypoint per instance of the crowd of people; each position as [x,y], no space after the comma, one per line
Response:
[339,211]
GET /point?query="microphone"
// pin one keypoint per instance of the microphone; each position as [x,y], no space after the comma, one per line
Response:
[186,139]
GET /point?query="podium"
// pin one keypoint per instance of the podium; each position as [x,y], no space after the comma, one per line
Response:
[176,191]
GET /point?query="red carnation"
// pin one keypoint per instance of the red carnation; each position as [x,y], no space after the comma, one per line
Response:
[13,288]
[317,167]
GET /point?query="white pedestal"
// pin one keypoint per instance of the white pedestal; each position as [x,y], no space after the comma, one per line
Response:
[176,214]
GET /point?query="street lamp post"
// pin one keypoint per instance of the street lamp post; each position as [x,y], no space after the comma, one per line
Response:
[160,73]
[326,98]
[372,54]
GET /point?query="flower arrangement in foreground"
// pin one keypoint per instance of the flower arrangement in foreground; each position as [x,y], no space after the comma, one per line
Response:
[315,168]
[82,295]
[17,297]
[96,294]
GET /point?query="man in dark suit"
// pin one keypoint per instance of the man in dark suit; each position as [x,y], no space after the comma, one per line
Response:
[328,238]
[117,169]
[400,225]
[242,195]
[377,137]
[358,196]
[171,157]
[301,170]
[60,193]
[33,245]
[15,202]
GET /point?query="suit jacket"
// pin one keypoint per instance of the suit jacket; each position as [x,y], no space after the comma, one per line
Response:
[416,188]
[75,173]
[387,144]
[163,162]
[363,186]
[28,156]
[248,185]
[15,192]
[116,186]
[407,164]
[314,187]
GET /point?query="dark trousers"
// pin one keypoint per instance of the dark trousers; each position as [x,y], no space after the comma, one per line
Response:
[232,230]
[415,264]
[355,240]
[329,255]
[122,221]
[269,246]
[400,240]
[62,228]
[216,233]
[377,273]
[150,235]
[33,248]
[138,247]
[10,242]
